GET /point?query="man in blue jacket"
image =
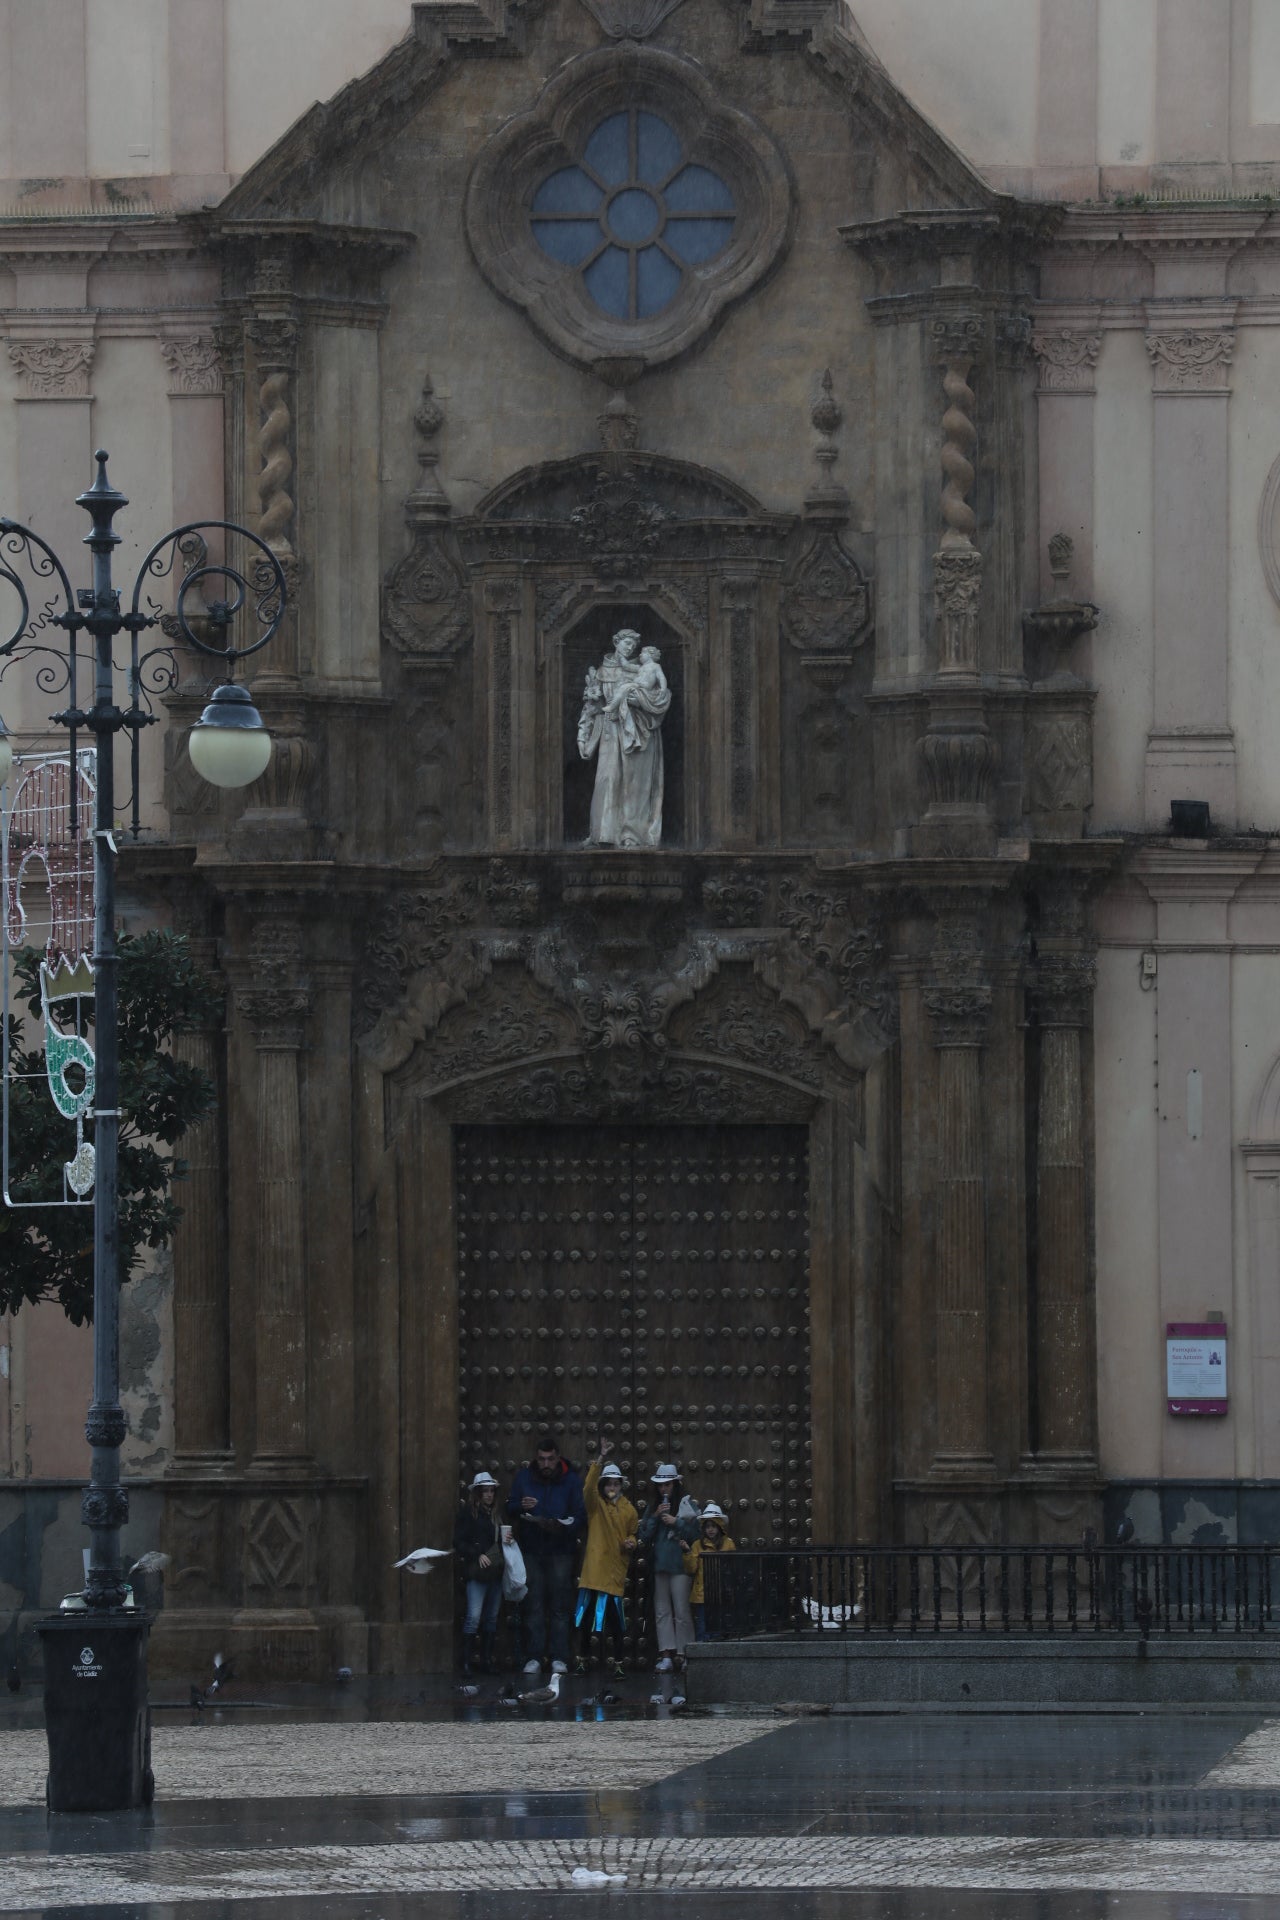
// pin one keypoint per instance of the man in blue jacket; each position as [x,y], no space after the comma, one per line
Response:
[547,1510]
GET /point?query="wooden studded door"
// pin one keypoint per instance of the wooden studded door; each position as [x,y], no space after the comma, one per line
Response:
[648,1284]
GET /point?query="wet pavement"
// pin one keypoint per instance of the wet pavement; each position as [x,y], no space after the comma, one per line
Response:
[467,1808]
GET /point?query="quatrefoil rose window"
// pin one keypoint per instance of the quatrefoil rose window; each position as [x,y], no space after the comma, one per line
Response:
[633,215]
[628,207]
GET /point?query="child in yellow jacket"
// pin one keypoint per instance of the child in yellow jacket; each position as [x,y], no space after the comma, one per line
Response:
[713,1537]
[611,1541]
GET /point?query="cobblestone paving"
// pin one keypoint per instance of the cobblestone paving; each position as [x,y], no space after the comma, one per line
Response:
[236,1762]
[1254,1763]
[1173,1866]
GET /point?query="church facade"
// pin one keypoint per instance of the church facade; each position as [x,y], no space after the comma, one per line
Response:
[660,961]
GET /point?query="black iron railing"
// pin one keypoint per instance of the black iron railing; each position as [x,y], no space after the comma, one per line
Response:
[992,1590]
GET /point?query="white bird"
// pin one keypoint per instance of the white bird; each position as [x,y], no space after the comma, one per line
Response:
[422,1559]
[542,1696]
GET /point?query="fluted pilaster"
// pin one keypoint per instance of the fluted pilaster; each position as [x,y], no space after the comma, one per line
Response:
[275,1005]
[960,1014]
[1063,1344]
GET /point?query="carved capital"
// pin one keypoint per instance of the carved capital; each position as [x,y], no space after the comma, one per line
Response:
[956,338]
[195,365]
[275,999]
[1191,360]
[1062,988]
[960,1014]
[53,369]
[274,339]
[1066,359]
[959,764]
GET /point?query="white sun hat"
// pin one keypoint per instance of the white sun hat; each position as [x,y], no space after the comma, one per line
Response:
[665,1474]
[483,1479]
[611,1472]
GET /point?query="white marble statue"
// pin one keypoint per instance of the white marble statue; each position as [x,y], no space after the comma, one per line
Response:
[624,703]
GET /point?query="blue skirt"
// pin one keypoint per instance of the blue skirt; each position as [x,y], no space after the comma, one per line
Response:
[597,1605]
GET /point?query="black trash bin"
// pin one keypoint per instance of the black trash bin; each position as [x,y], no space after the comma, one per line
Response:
[96,1712]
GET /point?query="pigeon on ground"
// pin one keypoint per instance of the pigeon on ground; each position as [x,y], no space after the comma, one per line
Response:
[467,1692]
[508,1700]
[422,1559]
[542,1696]
[223,1672]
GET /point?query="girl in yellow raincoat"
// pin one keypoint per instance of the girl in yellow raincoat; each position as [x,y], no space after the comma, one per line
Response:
[713,1537]
[611,1541]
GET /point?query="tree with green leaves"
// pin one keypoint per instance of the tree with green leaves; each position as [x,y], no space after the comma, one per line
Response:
[48,1254]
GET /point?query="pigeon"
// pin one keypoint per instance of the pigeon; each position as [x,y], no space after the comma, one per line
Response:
[422,1559]
[223,1672]
[542,1696]
[593,1877]
[344,1674]
[1125,1532]
[467,1692]
[677,1700]
[149,1563]
[508,1700]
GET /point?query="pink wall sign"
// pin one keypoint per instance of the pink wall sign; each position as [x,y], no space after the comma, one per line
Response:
[1196,1366]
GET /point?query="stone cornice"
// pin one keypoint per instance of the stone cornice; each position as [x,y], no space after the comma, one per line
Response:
[1186,872]
[1156,229]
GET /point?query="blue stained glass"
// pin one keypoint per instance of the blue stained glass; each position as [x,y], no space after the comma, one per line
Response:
[634,216]
[608,151]
[657,149]
[568,241]
[698,190]
[696,241]
[657,281]
[568,191]
[608,281]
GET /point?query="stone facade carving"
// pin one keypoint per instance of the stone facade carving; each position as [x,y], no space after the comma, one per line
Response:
[1059,762]
[620,525]
[426,598]
[53,369]
[275,343]
[195,365]
[1066,359]
[826,606]
[1191,360]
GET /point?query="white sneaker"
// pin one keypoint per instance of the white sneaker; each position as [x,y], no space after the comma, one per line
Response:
[558,1666]
[533,1666]
[664,1665]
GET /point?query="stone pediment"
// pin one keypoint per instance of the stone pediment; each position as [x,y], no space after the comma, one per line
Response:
[315,170]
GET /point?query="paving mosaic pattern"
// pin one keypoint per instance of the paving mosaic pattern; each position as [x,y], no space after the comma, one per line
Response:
[1176,1866]
[237,1762]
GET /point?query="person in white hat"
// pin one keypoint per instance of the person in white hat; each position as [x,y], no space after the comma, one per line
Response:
[611,1543]
[477,1541]
[713,1537]
[667,1535]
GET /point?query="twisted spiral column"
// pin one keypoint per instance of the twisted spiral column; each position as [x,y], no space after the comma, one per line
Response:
[959,440]
[274,498]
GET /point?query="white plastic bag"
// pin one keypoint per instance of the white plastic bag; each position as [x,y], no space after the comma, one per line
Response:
[515,1581]
[688,1509]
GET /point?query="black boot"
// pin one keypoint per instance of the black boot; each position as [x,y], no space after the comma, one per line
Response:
[468,1652]
[486,1653]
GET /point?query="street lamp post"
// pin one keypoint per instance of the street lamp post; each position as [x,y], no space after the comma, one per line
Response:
[96,1710]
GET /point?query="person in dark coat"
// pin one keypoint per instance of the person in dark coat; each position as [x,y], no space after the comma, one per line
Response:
[546,1508]
[477,1541]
